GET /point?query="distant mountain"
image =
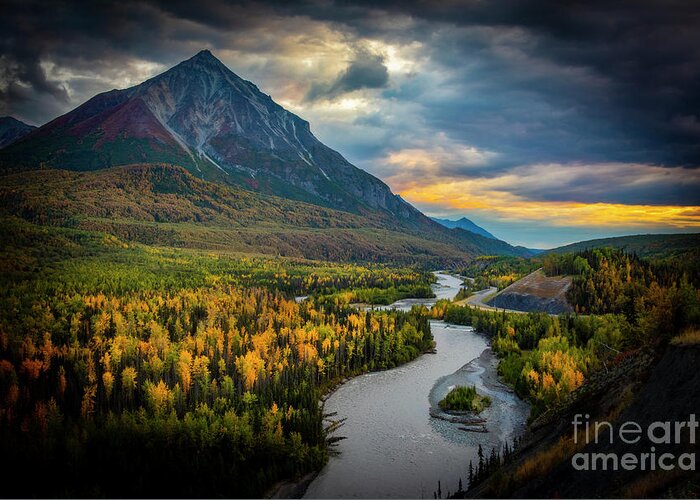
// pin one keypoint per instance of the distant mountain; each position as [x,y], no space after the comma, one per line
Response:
[202,117]
[465,224]
[11,130]
[644,245]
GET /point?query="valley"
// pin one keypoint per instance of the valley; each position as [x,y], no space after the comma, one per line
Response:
[201,299]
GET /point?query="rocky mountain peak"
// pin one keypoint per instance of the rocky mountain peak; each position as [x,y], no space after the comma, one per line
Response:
[201,115]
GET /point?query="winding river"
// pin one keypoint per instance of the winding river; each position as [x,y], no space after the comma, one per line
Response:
[393,447]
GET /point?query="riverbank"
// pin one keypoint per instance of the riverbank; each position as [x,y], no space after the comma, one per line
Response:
[393,443]
[290,488]
[505,418]
[394,448]
[646,387]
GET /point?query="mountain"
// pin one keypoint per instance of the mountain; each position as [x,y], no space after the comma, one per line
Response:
[221,130]
[465,224]
[11,130]
[203,117]
[661,246]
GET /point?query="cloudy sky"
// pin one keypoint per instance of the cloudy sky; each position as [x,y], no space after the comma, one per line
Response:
[544,122]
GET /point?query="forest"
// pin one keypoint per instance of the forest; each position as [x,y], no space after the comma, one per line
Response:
[623,303]
[111,353]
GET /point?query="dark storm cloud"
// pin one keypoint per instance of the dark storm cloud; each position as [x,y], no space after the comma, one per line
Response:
[98,38]
[367,71]
[634,68]
[91,34]
[607,183]
[533,82]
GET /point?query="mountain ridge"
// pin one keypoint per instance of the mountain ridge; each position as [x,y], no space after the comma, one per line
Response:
[466,224]
[166,205]
[12,130]
[220,128]
[644,245]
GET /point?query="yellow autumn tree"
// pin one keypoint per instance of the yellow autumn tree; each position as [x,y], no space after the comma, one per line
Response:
[249,366]
[108,382]
[129,381]
[184,366]
[158,396]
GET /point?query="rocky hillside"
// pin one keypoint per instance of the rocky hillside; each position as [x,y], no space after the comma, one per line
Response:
[639,387]
[535,293]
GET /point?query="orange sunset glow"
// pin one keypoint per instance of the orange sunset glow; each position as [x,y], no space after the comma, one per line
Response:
[458,196]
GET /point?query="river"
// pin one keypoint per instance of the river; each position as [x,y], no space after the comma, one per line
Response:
[393,447]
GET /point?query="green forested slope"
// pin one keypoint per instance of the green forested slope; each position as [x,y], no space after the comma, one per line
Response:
[166,205]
